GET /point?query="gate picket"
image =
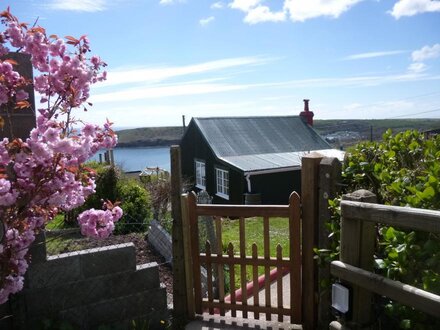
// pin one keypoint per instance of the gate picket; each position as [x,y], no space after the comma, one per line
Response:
[217,260]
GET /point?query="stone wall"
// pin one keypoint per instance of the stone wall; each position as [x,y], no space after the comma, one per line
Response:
[88,289]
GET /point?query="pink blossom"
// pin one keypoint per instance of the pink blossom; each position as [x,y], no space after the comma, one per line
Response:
[21,95]
[63,146]
[5,186]
[45,172]
[96,223]
[52,135]
[117,213]
[89,130]
[8,199]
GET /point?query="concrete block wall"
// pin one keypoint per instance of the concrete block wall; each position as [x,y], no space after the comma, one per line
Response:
[87,289]
[161,240]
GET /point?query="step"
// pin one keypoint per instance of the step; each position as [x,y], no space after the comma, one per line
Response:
[214,322]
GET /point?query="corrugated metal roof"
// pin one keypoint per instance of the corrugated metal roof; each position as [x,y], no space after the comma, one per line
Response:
[276,162]
[260,162]
[241,136]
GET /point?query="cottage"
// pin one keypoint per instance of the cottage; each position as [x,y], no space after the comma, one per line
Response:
[249,159]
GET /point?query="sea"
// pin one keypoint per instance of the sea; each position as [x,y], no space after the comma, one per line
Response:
[136,159]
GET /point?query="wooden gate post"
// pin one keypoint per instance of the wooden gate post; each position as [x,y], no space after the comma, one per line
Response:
[329,177]
[310,205]
[180,307]
[357,249]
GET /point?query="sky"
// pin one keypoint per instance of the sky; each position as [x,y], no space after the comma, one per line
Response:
[354,59]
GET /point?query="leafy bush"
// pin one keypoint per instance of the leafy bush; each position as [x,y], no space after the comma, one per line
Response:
[107,178]
[403,170]
[135,201]
[159,186]
[133,197]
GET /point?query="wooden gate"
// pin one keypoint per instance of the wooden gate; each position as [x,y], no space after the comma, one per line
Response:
[215,261]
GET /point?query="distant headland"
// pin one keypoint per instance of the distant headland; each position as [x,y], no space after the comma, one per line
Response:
[338,132]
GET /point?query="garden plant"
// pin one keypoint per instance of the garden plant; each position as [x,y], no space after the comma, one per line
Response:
[45,174]
[402,170]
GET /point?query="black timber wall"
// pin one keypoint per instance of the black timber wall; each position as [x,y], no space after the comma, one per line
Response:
[275,188]
[193,146]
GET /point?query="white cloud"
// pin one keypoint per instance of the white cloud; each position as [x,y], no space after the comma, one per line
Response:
[244,5]
[261,14]
[218,5]
[373,54]
[425,53]
[414,7]
[207,20]
[78,5]
[151,75]
[301,10]
[256,12]
[170,2]
[210,86]
[296,10]
[417,67]
[356,81]
[421,55]
[149,92]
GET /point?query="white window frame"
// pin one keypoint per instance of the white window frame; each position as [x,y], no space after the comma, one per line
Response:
[222,182]
[200,174]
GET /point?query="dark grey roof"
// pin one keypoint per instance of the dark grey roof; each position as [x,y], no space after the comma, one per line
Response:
[238,136]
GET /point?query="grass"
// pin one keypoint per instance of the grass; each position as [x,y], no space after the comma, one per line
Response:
[62,244]
[278,234]
[57,222]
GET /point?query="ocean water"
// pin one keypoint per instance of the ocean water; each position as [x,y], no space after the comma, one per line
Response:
[136,159]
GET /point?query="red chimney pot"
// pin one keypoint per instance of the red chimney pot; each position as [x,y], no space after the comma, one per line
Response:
[307,115]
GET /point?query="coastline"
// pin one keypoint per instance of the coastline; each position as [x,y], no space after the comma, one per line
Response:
[159,143]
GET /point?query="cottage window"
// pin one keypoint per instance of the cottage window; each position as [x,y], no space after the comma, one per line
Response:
[200,175]
[222,183]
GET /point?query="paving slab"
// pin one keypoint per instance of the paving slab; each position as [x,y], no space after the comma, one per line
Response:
[214,322]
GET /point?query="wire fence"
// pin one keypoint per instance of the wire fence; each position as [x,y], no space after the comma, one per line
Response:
[64,238]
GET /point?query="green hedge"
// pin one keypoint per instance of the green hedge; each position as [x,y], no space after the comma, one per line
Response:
[134,199]
[402,170]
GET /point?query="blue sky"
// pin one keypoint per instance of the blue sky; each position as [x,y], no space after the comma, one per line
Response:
[367,59]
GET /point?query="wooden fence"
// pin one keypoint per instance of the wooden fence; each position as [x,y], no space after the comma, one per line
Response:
[357,256]
[214,260]
[319,177]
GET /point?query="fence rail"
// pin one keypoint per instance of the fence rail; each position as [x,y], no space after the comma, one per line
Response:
[215,260]
[357,255]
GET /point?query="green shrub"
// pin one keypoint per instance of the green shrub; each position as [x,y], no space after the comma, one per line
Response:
[135,202]
[402,170]
[107,178]
[133,197]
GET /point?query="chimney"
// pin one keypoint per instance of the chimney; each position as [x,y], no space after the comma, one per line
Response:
[307,115]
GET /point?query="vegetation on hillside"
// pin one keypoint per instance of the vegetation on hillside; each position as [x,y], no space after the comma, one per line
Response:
[149,136]
[359,129]
[349,132]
